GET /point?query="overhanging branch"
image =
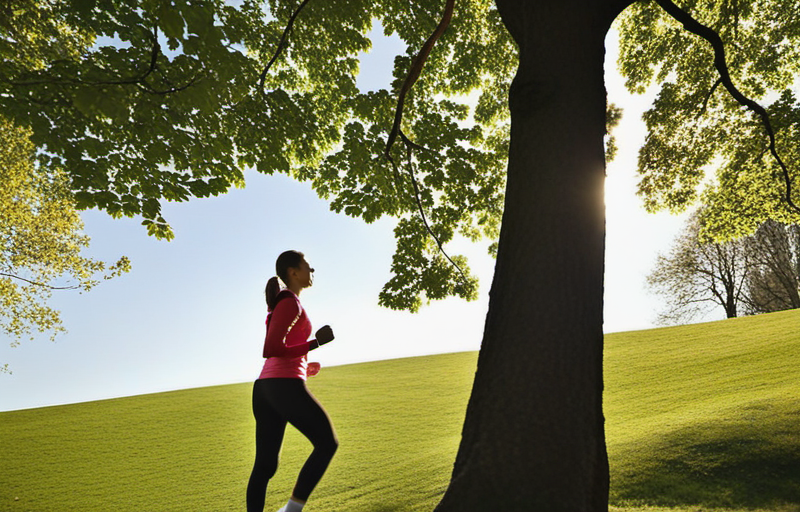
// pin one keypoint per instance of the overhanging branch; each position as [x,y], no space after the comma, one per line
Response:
[415,71]
[411,78]
[710,35]
[281,45]
[139,81]
[409,146]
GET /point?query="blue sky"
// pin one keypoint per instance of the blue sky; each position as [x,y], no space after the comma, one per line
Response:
[191,312]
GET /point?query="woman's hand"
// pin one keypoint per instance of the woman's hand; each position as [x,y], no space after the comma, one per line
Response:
[324,335]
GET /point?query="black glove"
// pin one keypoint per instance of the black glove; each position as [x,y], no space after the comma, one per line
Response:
[323,336]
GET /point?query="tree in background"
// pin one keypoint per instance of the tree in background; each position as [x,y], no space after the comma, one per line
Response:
[193,92]
[750,275]
[699,274]
[773,282]
[40,240]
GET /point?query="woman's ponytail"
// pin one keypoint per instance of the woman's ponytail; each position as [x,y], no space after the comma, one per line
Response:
[287,260]
[271,292]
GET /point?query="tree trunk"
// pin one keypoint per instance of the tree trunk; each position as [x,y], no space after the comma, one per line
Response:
[533,438]
[730,305]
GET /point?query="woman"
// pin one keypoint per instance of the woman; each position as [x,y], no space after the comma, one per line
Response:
[280,394]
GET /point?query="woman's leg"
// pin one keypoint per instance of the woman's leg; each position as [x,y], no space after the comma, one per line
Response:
[315,424]
[299,407]
[270,427]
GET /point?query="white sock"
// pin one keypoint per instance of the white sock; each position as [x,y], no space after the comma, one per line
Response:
[294,506]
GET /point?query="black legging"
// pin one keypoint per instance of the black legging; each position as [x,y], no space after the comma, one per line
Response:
[276,401]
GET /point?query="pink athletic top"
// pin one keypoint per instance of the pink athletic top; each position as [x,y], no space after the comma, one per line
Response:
[286,343]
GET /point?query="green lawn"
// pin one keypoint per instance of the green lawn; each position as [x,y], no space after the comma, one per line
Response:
[698,417]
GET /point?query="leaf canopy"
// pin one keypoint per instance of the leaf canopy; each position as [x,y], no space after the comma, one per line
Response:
[164,100]
[152,101]
[701,144]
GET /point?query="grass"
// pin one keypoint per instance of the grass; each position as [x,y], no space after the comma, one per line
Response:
[699,417]
[707,414]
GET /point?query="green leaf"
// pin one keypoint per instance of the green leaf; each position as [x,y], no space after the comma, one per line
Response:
[171,22]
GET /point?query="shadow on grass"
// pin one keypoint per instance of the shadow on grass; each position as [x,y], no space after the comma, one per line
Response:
[750,460]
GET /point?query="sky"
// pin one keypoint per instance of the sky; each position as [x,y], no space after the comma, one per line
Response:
[191,312]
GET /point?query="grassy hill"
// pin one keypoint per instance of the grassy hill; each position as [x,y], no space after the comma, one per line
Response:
[698,417]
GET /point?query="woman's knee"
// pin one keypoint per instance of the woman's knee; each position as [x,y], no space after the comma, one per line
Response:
[329,444]
[266,467]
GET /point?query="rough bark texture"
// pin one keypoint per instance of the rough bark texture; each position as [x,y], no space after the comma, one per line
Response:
[533,438]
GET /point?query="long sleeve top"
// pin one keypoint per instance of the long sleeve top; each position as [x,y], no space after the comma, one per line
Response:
[286,344]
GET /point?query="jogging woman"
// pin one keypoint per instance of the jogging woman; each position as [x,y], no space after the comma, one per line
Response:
[280,394]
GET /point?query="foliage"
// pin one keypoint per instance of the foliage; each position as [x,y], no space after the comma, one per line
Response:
[670,440]
[613,117]
[40,239]
[167,100]
[695,126]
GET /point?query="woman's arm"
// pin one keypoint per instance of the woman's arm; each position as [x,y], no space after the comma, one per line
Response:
[283,317]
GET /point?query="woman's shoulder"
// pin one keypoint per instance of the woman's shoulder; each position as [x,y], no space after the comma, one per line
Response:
[287,299]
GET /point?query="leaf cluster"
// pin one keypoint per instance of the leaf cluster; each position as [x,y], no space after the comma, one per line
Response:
[40,239]
[701,145]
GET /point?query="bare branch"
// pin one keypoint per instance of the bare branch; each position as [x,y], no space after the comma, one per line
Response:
[710,35]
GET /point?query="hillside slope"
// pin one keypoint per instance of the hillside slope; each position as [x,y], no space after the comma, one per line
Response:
[706,414]
[701,415]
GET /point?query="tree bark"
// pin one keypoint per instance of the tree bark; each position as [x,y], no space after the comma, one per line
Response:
[533,437]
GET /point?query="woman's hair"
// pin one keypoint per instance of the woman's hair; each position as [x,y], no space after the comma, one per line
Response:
[287,260]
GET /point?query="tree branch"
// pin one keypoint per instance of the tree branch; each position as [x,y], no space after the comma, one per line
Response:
[74,287]
[409,146]
[710,35]
[149,88]
[411,78]
[139,81]
[708,97]
[415,71]
[281,45]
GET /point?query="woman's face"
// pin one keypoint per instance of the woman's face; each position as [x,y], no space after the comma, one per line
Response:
[303,274]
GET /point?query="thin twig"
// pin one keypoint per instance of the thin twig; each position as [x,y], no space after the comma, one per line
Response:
[422,210]
[124,81]
[708,97]
[140,81]
[149,88]
[710,35]
[74,287]
[281,45]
